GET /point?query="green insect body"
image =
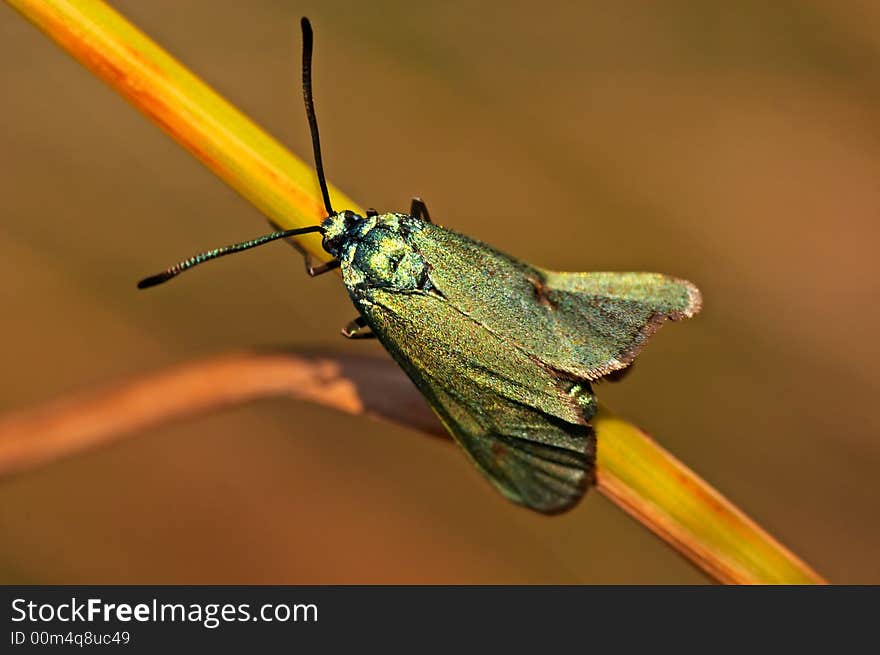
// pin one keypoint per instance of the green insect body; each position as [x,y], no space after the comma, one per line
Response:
[504,352]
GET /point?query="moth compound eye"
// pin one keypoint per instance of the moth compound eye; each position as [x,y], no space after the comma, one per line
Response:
[337,229]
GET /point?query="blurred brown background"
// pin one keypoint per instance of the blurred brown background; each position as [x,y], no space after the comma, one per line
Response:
[735,144]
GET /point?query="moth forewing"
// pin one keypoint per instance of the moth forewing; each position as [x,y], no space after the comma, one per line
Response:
[523,425]
[584,324]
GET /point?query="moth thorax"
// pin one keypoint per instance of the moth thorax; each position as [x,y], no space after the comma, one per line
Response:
[385,259]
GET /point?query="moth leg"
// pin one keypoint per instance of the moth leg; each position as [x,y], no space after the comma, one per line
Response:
[372,212]
[311,268]
[358,329]
[315,270]
[418,209]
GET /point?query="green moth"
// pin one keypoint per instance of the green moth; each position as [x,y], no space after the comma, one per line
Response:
[504,352]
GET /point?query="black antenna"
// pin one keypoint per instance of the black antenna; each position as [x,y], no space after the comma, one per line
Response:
[203,257]
[308,40]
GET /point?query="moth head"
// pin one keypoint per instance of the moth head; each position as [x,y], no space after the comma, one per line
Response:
[338,228]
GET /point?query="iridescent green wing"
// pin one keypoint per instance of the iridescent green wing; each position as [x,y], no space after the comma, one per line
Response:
[583,324]
[521,424]
[513,446]
[614,313]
